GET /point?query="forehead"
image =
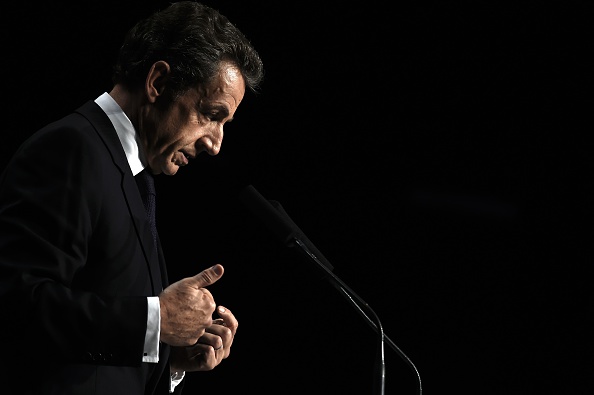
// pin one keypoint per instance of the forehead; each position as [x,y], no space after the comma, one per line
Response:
[228,86]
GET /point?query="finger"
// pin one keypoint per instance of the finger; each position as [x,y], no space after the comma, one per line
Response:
[211,338]
[217,335]
[204,355]
[228,318]
[208,276]
[224,332]
[207,352]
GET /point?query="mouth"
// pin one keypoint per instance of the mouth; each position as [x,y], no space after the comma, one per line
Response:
[182,158]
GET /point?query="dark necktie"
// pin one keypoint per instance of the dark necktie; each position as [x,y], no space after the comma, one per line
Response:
[146,185]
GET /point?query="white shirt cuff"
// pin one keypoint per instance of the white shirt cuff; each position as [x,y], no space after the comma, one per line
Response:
[153,330]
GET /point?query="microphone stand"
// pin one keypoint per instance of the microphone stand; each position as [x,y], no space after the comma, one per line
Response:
[357,302]
[280,223]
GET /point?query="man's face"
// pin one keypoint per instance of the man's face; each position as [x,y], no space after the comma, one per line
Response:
[192,124]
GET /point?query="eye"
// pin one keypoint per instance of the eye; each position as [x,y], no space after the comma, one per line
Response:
[214,113]
[213,116]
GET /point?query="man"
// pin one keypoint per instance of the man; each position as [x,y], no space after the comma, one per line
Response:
[84,295]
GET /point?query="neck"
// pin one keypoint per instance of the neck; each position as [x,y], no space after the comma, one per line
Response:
[128,101]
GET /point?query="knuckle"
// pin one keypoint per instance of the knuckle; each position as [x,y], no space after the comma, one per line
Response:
[227,337]
[226,333]
[206,277]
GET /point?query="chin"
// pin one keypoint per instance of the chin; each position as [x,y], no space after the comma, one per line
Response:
[169,168]
[171,171]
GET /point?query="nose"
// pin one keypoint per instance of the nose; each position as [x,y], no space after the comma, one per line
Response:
[213,142]
[214,150]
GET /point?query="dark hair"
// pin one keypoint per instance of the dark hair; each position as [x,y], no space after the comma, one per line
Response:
[194,39]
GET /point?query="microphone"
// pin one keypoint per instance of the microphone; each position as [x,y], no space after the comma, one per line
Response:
[274,216]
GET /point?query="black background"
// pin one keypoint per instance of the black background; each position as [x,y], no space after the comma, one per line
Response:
[437,153]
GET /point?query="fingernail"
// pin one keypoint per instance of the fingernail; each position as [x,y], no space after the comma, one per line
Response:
[218,269]
[222,309]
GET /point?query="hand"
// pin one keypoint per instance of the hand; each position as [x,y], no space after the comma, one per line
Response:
[187,307]
[211,348]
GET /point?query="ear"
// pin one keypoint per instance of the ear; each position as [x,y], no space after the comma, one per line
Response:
[156,80]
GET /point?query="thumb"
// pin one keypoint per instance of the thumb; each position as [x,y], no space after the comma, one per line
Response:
[208,276]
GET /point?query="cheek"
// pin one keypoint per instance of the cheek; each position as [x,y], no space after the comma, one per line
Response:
[179,128]
[177,125]
[188,136]
[173,137]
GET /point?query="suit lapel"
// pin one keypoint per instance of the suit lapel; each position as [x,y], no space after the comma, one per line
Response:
[107,133]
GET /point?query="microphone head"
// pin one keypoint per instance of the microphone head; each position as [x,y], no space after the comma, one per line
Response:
[279,224]
[276,219]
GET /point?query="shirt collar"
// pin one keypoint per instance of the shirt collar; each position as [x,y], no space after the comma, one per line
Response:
[125,130]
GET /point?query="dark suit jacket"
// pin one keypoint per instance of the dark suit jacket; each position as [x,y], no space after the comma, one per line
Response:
[77,261]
